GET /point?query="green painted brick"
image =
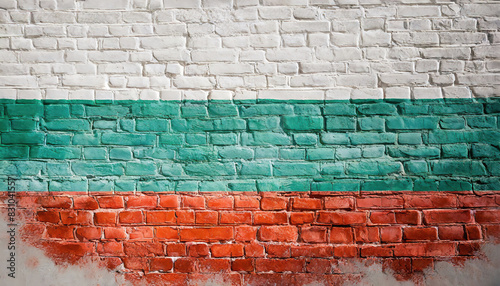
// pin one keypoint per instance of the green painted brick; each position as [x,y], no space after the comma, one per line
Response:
[377,109]
[219,110]
[172,170]
[387,185]
[197,154]
[107,111]
[339,109]
[68,186]
[453,186]
[492,107]
[337,186]
[320,154]
[22,168]
[372,138]
[450,137]
[409,151]
[127,125]
[210,169]
[371,124]
[14,152]
[243,186]
[154,153]
[302,123]
[485,151]
[347,153]
[457,109]
[373,168]
[196,139]
[281,169]
[97,169]
[454,151]
[58,153]
[217,186]
[87,139]
[263,123]
[295,186]
[172,139]
[124,185]
[458,168]
[340,123]
[452,123]
[493,167]
[156,125]
[128,139]
[195,110]
[140,169]
[481,122]
[268,185]
[229,124]
[423,185]
[58,139]
[224,138]
[333,169]
[266,153]
[57,111]
[335,138]
[414,109]
[95,153]
[4,125]
[101,186]
[305,139]
[159,109]
[124,154]
[234,152]
[410,138]
[67,125]
[58,170]
[23,124]
[24,110]
[307,109]
[255,169]
[31,185]
[31,138]
[490,184]
[155,186]
[266,109]
[265,139]
[412,123]
[77,110]
[292,154]
[187,186]
[416,167]
[105,124]
[373,151]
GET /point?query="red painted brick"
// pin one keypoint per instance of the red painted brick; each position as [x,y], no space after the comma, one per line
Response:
[170,279]
[425,249]
[278,233]
[454,232]
[398,265]
[382,217]
[429,202]
[318,266]
[421,264]
[166,233]
[278,250]
[185,217]
[235,217]
[336,203]
[380,202]
[142,202]
[341,218]
[312,251]
[76,217]
[408,217]
[206,234]
[115,233]
[301,217]
[420,233]
[48,216]
[254,250]
[447,216]
[111,202]
[220,203]
[273,204]
[468,248]
[176,249]
[366,234]
[488,216]
[270,218]
[88,233]
[245,233]
[169,201]
[85,203]
[135,263]
[67,251]
[227,250]
[140,233]
[473,232]
[160,217]
[110,248]
[214,265]
[130,217]
[55,202]
[246,202]
[242,265]
[306,204]
[477,201]
[492,232]
[143,249]
[206,217]
[345,251]
[61,232]
[313,234]
[160,264]
[193,202]
[391,234]
[279,265]
[111,263]
[198,250]
[341,235]
[185,265]
[375,251]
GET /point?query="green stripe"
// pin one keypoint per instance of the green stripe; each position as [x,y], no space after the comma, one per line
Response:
[269,145]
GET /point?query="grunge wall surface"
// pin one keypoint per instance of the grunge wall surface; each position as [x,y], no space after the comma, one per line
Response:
[265,141]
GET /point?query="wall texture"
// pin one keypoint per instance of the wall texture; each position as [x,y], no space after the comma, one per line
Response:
[264,141]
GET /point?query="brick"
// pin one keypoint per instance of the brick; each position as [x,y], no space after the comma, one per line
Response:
[48,216]
[235,218]
[380,202]
[341,218]
[88,233]
[245,233]
[198,250]
[227,250]
[315,234]
[218,203]
[420,233]
[278,233]
[270,218]
[214,265]
[391,234]
[345,251]
[105,218]
[206,217]
[76,217]
[111,202]
[127,217]
[115,233]
[143,249]
[242,265]
[306,204]
[85,203]
[254,250]
[425,249]
[366,234]
[301,218]
[487,216]
[161,217]
[207,234]
[271,204]
[160,264]
[166,233]
[110,248]
[193,202]
[246,202]
[283,265]
[451,232]
[184,265]
[447,216]
[61,232]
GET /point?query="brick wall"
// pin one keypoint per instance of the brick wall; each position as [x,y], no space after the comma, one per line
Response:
[267,142]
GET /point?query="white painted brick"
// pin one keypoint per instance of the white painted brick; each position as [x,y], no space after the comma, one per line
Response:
[338,93]
[204,42]
[86,69]
[165,42]
[245,95]
[137,17]
[305,27]
[427,93]
[174,29]
[375,38]
[291,94]
[217,3]
[486,52]
[322,67]
[86,44]
[265,41]
[220,95]
[278,81]
[456,92]
[54,17]
[344,40]
[265,27]
[357,80]
[252,56]
[174,68]
[137,82]
[14,69]
[230,69]
[486,91]
[451,66]
[105,5]
[63,69]
[81,94]
[427,66]
[104,95]
[397,92]
[288,68]
[447,53]
[482,10]
[442,79]
[305,13]
[285,2]
[230,82]
[42,57]
[403,53]
[159,82]
[418,11]
[312,81]
[117,81]
[110,44]
[289,54]
[275,13]
[22,44]
[215,55]
[98,17]
[236,42]
[48,81]
[29,94]
[97,81]
[196,70]
[195,95]
[404,79]
[76,56]
[338,54]
[318,40]
[149,95]
[367,93]
[8,4]
[194,82]
[56,94]
[255,81]
[8,93]
[337,14]
[180,55]
[293,40]
[231,29]
[450,38]
[120,68]
[171,95]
